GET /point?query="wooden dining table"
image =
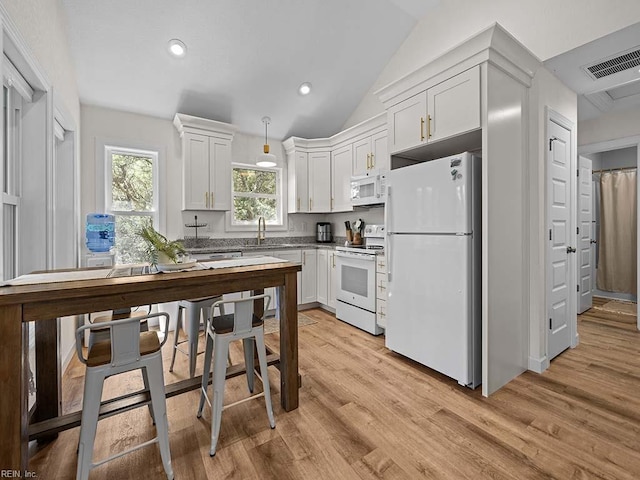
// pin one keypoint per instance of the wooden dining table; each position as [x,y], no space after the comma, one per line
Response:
[45,303]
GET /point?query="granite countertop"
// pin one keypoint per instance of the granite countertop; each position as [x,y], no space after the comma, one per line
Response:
[240,245]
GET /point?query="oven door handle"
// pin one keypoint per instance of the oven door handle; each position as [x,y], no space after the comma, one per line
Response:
[356,256]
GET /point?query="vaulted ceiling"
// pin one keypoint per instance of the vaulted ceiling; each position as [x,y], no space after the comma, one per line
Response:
[245,58]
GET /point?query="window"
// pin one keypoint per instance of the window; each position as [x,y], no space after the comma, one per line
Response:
[257,192]
[132,196]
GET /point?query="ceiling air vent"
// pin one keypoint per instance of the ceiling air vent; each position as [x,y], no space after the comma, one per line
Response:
[619,63]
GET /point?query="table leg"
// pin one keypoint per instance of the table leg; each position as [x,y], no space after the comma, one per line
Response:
[288,308]
[14,397]
[48,372]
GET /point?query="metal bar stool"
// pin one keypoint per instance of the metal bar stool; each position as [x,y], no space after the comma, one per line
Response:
[194,308]
[126,349]
[221,331]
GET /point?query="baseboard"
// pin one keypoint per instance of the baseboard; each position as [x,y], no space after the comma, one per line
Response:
[538,365]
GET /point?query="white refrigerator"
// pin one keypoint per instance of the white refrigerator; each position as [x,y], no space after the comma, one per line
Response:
[433,221]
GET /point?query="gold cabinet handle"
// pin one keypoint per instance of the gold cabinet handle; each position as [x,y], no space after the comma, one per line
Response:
[298,203]
[310,204]
[368,161]
[381,314]
[332,204]
[206,199]
[211,199]
[304,258]
[428,126]
[421,129]
[382,287]
[333,259]
[372,161]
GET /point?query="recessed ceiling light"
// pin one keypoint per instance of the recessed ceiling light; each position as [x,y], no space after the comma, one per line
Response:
[305,88]
[177,48]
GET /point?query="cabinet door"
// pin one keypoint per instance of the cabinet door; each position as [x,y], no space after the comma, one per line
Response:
[298,184]
[453,106]
[341,160]
[332,279]
[406,123]
[362,156]
[220,174]
[195,158]
[380,152]
[323,277]
[309,276]
[319,182]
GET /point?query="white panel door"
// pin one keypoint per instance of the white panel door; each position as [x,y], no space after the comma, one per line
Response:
[220,168]
[406,122]
[322,277]
[301,182]
[309,287]
[332,279]
[428,301]
[585,202]
[341,160]
[453,106]
[560,239]
[196,171]
[320,182]
[362,156]
[430,197]
[380,152]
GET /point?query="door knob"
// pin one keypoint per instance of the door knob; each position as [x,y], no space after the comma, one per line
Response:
[571,250]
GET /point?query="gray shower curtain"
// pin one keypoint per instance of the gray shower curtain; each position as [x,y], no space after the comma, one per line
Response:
[617,262]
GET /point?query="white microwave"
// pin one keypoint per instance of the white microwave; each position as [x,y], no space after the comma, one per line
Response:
[368,189]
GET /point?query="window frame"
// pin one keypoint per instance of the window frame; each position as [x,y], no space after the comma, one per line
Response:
[280,200]
[154,213]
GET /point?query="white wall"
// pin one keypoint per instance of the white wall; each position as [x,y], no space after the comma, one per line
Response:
[546,27]
[43,25]
[610,126]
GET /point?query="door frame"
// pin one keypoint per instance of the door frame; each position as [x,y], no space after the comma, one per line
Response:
[555,117]
[616,144]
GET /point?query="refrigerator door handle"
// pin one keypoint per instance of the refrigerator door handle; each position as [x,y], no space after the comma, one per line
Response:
[388,255]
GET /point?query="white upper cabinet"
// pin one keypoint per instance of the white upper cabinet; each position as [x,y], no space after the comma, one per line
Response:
[341,160]
[319,182]
[320,169]
[298,182]
[206,162]
[370,154]
[446,109]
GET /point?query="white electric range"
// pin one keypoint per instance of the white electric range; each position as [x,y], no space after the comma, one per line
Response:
[356,286]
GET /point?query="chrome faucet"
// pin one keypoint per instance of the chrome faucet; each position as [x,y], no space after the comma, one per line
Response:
[261,232]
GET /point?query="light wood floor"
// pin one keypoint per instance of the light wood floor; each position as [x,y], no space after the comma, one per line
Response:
[367,413]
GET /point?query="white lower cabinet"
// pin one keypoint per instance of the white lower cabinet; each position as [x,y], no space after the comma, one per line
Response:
[381,291]
[332,272]
[322,277]
[309,284]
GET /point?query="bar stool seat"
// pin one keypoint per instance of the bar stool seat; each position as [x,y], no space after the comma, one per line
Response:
[126,349]
[194,308]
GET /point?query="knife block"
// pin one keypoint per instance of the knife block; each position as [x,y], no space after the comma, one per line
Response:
[350,236]
[357,239]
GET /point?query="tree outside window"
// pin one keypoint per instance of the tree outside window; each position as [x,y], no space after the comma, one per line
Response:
[132,198]
[256,193]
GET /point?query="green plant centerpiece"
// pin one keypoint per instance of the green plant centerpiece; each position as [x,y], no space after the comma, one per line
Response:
[160,250]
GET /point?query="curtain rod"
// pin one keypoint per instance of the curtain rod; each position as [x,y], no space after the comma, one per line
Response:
[613,169]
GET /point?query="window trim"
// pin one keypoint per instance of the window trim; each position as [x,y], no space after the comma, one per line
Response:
[281,196]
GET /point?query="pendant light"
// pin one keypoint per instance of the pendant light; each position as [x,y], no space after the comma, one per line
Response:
[266,159]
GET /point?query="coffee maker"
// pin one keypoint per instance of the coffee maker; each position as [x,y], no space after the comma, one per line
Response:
[323,232]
